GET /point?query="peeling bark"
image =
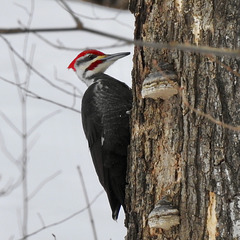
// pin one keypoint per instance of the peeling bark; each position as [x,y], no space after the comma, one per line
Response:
[212,218]
[175,152]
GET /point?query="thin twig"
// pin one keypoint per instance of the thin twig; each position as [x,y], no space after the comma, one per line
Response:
[54,102]
[88,203]
[171,45]
[28,26]
[92,18]
[22,7]
[41,121]
[205,115]
[8,189]
[67,83]
[69,10]
[10,123]
[41,219]
[24,158]
[97,18]
[62,47]
[15,71]
[28,69]
[198,112]
[36,96]
[32,143]
[6,152]
[64,219]
[75,89]
[228,68]
[33,69]
[43,183]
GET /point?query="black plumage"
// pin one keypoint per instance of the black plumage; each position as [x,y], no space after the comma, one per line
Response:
[105,116]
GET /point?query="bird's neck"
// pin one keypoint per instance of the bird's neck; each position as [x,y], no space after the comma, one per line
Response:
[88,81]
[98,76]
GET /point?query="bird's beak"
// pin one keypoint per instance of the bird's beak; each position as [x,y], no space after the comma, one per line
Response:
[113,57]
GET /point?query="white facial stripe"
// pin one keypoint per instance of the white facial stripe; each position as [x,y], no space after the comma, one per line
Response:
[82,67]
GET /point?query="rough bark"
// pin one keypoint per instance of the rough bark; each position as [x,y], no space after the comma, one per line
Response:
[174,151]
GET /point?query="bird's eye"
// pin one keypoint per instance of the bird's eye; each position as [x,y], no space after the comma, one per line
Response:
[85,59]
[91,57]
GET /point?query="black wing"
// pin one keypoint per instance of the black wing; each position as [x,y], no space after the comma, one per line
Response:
[105,116]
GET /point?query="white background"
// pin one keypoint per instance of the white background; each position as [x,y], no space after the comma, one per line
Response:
[58,145]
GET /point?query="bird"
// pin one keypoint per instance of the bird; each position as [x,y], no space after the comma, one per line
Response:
[105,110]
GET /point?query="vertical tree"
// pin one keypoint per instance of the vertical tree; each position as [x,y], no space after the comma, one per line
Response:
[176,152]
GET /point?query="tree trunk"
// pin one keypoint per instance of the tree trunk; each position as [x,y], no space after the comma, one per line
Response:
[174,151]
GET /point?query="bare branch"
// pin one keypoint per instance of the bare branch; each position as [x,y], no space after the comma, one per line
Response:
[88,204]
[64,219]
[69,10]
[228,68]
[62,47]
[10,124]
[36,96]
[32,143]
[43,183]
[205,115]
[6,152]
[28,71]
[75,89]
[28,26]
[26,30]
[41,121]
[10,187]
[41,219]
[33,69]
[22,7]
[172,45]
[97,18]
[67,83]
[53,102]
[15,72]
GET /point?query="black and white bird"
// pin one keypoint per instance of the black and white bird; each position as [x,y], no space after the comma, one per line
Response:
[105,117]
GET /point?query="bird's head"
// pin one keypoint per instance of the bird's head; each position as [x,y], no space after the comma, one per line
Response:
[91,62]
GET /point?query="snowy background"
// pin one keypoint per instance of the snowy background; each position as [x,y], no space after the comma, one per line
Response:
[57,146]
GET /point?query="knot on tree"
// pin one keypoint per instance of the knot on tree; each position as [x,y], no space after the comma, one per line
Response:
[162,83]
[164,215]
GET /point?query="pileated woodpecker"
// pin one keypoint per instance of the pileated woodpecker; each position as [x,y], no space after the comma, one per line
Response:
[105,118]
